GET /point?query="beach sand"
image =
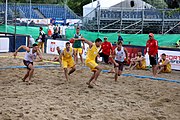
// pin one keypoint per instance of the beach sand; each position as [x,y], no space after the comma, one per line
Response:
[51,97]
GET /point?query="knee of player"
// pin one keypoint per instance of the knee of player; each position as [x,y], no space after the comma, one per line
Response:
[116,73]
[100,69]
[32,68]
[74,68]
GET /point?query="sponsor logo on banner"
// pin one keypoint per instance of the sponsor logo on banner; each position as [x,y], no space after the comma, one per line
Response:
[73,21]
[35,21]
[173,56]
[52,46]
[55,21]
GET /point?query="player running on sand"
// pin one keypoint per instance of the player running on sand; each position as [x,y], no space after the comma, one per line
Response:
[92,52]
[29,58]
[120,56]
[67,60]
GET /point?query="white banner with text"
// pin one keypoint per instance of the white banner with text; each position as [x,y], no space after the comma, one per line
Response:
[53,44]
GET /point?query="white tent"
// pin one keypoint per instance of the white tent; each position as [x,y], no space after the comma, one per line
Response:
[115,4]
[131,4]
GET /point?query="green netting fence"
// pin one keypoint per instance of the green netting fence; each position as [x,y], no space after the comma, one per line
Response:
[25,30]
[167,40]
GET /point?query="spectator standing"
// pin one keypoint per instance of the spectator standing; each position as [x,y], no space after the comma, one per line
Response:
[56,34]
[78,48]
[31,41]
[152,50]
[42,37]
[107,49]
[64,31]
[120,38]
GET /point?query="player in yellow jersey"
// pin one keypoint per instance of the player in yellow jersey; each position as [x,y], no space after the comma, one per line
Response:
[92,53]
[138,62]
[164,65]
[67,60]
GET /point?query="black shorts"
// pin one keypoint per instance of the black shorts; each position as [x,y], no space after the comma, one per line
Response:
[105,57]
[121,64]
[26,63]
[153,60]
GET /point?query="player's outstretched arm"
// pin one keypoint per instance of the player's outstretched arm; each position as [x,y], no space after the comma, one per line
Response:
[113,57]
[21,47]
[87,41]
[60,57]
[126,52]
[40,57]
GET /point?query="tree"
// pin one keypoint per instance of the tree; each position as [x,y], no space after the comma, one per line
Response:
[77,5]
[157,3]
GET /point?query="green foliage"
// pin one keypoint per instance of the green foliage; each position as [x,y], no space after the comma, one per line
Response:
[77,5]
[157,3]
[174,11]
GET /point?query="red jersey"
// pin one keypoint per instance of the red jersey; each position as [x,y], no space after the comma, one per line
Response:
[152,47]
[106,48]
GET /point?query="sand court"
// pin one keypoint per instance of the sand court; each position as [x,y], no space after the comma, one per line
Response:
[51,97]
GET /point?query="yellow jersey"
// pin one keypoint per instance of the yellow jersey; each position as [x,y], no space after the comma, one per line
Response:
[92,53]
[143,64]
[67,54]
[167,68]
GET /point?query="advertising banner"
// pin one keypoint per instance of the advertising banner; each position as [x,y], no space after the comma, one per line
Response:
[132,52]
[56,21]
[74,21]
[4,44]
[34,21]
[52,44]
[173,56]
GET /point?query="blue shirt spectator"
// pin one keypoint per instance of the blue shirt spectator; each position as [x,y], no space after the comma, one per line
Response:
[120,38]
